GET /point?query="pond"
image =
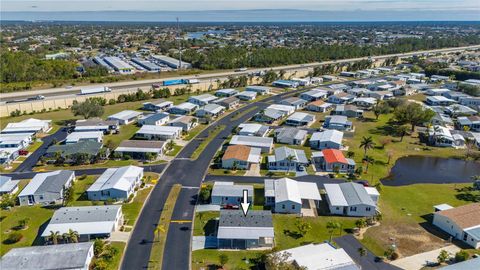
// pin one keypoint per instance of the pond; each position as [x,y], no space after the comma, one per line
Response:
[435,170]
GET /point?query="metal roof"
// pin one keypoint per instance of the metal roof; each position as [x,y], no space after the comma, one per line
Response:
[229,189]
[465,265]
[329,135]
[88,147]
[252,141]
[125,115]
[52,257]
[290,133]
[52,182]
[122,178]
[347,194]
[159,130]
[76,136]
[234,225]
[283,152]
[84,220]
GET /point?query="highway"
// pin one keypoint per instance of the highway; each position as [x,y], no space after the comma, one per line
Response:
[53,93]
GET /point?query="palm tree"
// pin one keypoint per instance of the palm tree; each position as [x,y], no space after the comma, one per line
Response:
[73,235]
[368,160]
[290,158]
[331,227]
[54,237]
[367,143]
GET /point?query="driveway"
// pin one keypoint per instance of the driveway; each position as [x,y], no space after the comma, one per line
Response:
[351,245]
[418,261]
[254,170]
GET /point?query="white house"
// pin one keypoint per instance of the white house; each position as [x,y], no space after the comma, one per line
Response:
[159,105]
[319,106]
[287,159]
[7,185]
[202,100]
[49,257]
[320,257]
[328,139]
[183,108]
[211,110]
[247,95]
[47,188]
[156,119]
[89,222]
[261,90]
[338,122]
[253,129]
[241,157]
[116,184]
[141,149]
[314,94]
[30,125]
[92,136]
[264,143]
[97,124]
[226,92]
[462,223]
[291,136]
[16,140]
[285,195]
[439,101]
[186,122]
[300,119]
[125,117]
[227,193]
[162,133]
[351,199]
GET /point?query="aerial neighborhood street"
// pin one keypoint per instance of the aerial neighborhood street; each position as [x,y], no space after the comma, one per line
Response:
[130,155]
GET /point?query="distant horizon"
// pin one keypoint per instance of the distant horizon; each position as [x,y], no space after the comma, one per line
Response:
[245,16]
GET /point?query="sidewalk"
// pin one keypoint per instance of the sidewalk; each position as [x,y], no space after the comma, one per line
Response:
[418,261]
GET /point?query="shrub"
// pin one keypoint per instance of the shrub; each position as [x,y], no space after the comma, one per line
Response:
[394,256]
[13,238]
[461,256]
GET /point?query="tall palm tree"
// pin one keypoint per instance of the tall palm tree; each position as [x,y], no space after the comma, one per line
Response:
[54,237]
[73,235]
[366,143]
[289,158]
[368,160]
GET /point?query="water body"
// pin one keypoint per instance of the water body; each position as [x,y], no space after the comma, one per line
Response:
[421,169]
[202,34]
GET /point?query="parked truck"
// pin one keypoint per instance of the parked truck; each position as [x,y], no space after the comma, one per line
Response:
[95,90]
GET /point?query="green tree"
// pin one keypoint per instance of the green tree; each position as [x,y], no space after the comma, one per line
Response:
[303,227]
[380,108]
[87,109]
[368,160]
[331,227]
[366,143]
[54,237]
[361,223]
[413,114]
[461,256]
[443,256]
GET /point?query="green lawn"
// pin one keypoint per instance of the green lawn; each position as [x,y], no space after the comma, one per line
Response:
[9,221]
[209,259]
[211,135]
[238,115]
[115,263]
[174,151]
[126,133]
[132,209]
[103,164]
[79,190]
[286,232]
[405,210]
[205,223]
[226,172]
[409,146]
[194,132]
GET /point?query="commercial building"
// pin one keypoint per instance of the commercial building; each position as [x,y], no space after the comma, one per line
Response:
[47,188]
[171,62]
[118,64]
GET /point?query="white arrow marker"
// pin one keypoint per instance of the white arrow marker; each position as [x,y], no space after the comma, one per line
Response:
[245,204]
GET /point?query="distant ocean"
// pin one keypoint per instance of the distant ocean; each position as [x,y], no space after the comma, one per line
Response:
[271,15]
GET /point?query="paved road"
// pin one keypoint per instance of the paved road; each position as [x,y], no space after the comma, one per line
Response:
[135,84]
[32,160]
[189,173]
[351,245]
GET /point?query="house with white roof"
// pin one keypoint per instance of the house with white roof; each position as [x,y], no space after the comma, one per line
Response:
[341,98]
[184,108]
[261,90]
[237,231]
[30,125]
[291,136]
[92,136]
[211,110]
[162,133]
[348,111]
[90,222]
[440,136]
[47,188]
[228,193]
[186,122]
[141,149]
[7,185]
[471,122]
[226,92]
[116,184]
[287,196]
[287,159]
[202,100]
[241,157]
[269,116]
[296,102]
[247,95]
[156,119]
[97,124]
[319,106]
[285,109]
[328,139]
[300,119]
[320,257]
[253,129]
[351,199]
[125,117]
[264,143]
[15,140]
[159,105]
[314,94]
[338,122]
[462,223]
[49,257]
[439,101]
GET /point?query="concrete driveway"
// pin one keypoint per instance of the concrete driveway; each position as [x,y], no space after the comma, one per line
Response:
[418,261]
[253,171]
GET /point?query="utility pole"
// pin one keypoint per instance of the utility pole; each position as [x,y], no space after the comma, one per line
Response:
[179,46]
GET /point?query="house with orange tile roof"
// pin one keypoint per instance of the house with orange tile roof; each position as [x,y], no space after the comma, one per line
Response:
[331,160]
[462,223]
[240,157]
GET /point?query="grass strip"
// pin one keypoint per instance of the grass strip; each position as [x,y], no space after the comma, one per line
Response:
[241,114]
[212,134]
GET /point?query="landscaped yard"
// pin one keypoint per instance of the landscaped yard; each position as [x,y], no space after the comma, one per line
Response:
[205,223]
[378,129]
[126,133]
[406,211]
[102,164]
[79,190]
[31,148]
[132,209]
[9,220]
[193,132]
[115,263]
[209,258]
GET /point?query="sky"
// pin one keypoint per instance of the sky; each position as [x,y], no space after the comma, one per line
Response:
[340,9]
